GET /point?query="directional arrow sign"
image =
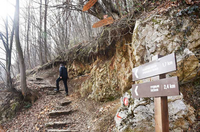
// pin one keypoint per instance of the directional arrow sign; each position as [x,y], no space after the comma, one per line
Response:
[89,5]
[163,87]
[162,65]
[103,22]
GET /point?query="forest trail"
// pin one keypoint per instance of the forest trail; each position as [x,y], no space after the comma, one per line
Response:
[55,112]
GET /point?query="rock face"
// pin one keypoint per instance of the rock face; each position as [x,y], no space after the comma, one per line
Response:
[108,67]
[139,114]
[109,71]
[164,35]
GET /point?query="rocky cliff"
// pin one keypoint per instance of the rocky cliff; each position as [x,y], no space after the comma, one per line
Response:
[176,31]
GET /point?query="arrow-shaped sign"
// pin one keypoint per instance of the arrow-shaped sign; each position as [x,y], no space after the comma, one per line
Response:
[163,87]
[103,22]
[162,65]
[89,5]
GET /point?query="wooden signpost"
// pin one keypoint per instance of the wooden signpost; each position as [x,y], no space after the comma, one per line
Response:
[163,87]
[103,22]
[89,5]
[159,66]
[159,89]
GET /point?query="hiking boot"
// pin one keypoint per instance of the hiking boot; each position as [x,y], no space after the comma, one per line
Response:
[56,90]
[67,94]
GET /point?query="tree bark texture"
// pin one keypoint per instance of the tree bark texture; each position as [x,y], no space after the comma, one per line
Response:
[40,37]
[20,53]
[27,38]
[45,33]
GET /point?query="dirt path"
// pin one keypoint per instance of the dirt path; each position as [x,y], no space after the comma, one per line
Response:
[56,112]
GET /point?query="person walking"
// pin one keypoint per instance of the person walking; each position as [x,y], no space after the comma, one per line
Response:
[63,76]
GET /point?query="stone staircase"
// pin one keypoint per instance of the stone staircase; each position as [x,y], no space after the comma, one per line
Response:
[43,85]
[60,126]
[58,115]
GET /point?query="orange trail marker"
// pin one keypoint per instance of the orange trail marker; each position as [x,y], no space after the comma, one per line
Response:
[103,22]
[89,5]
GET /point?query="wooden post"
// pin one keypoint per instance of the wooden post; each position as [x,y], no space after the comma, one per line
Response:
[161,114]
[161,109]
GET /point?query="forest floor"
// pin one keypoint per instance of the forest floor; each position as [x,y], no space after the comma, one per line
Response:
[82,114]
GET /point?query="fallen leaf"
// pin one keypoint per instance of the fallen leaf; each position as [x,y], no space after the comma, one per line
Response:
[37,128]
[189,2]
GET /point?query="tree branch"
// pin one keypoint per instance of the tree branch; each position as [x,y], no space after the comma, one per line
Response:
[2,59]
[4,43]
[3,49]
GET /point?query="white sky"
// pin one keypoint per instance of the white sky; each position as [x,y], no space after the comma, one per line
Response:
[7,8]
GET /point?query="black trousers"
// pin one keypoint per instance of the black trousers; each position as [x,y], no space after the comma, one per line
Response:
[65,84]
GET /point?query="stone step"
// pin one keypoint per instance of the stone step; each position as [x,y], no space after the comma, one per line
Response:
[61,130]
[54,92]
[65,103]
[38,83]
[49,87]
[59,107]
[31,79]
[51,93]
[53,124]
[65,112]
[39,78]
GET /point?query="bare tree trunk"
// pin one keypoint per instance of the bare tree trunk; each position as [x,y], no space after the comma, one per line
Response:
[66,37]
[27,37]
[8,59]
[40,36]
[8,50]
[66,32]
[20,53]
[45,33]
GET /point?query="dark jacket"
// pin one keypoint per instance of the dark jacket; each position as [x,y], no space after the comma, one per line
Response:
[63,72]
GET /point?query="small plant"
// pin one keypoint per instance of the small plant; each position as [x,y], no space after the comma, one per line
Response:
[27,105]
[111,98]
[14,106]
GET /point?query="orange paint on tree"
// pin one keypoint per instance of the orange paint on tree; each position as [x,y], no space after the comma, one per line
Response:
[89,5]
[103,22]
